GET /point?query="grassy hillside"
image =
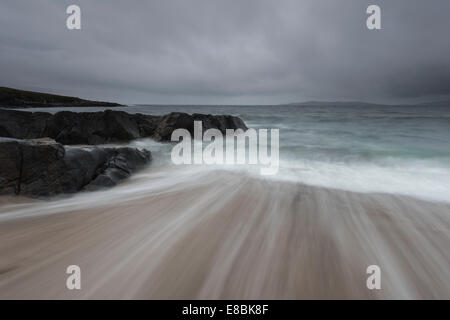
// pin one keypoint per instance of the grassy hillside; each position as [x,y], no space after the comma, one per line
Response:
[14,98]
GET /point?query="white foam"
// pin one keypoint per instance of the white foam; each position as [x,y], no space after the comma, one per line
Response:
[428,180]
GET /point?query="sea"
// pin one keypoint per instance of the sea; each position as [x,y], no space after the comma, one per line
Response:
[356,147]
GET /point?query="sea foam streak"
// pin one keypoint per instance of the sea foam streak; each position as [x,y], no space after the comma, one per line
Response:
[197,233]
[222,231]
[388,149]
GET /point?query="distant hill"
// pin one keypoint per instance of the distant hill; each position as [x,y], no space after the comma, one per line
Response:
[14,98]
[334,103]
[434,104]
[367,104]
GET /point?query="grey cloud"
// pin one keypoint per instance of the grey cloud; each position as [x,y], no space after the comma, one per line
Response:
[221,51]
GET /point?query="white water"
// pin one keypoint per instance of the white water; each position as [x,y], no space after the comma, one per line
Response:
[196,232]
[205,232]
[396,150]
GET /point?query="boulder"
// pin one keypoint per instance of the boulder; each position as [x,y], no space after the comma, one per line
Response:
[45,168]
[178,120]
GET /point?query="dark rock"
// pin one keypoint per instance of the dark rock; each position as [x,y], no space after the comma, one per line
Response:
[179,120]
[98,127]
[47,168]
[105,127]
[171,122]
[120,166]
[221,122]
[22,124]
[30,167]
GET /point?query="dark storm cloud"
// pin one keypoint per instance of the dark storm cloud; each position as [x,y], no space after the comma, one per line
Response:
[222,51]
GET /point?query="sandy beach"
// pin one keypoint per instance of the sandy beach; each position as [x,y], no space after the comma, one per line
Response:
[223,235]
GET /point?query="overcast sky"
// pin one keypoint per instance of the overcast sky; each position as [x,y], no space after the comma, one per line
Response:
[228,51]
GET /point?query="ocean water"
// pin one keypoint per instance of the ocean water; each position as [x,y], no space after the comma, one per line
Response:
[385,149]
[226,232]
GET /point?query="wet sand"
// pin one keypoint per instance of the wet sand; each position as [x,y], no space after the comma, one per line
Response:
[222,235]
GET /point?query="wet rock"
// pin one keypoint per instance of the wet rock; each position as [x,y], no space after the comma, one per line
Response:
[105,127]
[39,169]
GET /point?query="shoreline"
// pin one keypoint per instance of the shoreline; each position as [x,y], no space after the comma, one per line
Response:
[223,235]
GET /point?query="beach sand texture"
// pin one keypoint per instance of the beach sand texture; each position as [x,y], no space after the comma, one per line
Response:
[166,234]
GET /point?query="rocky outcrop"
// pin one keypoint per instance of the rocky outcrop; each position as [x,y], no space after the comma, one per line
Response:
[45,168]
[98,127]
[105,127]
[22,124]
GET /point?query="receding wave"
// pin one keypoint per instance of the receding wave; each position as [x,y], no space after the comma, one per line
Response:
[192,233]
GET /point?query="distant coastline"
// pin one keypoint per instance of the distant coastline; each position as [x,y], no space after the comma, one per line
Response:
[11,98]
[15,98]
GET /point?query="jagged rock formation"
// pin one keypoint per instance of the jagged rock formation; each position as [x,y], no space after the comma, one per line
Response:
[45,168]
[107,126]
